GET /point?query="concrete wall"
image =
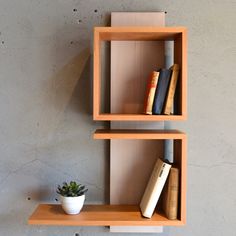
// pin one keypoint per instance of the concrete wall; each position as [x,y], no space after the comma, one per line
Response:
[45,100]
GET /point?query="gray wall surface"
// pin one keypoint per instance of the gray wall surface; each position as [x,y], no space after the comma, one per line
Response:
[46,124]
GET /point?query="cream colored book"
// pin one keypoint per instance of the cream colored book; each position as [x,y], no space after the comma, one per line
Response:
[171,91]
[154,188]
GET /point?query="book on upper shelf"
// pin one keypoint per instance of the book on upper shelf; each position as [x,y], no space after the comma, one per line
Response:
[150,92]
[170,194]
[161,91]
[169,100]
[154,188]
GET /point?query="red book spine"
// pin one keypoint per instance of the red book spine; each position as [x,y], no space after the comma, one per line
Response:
[150,92]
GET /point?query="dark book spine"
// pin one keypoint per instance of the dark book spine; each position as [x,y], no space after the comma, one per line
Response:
[161,91]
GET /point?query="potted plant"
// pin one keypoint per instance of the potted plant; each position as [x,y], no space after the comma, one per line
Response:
[72,197]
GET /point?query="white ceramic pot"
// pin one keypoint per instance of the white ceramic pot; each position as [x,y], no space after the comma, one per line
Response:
[72,205]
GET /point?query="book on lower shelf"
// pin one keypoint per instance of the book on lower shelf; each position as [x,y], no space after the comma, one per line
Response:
[170,194]
[154,188]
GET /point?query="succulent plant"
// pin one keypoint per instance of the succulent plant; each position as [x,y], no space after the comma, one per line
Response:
[71,190]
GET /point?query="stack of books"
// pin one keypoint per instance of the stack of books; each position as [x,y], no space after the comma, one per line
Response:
[161,90]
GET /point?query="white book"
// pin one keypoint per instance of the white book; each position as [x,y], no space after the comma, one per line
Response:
[154,188]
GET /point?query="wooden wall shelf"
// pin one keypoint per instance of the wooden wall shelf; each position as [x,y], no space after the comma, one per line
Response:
[138,134]
[97,215]
[121,215]
[177,34]
[130,215]
[179,152]
[137,117]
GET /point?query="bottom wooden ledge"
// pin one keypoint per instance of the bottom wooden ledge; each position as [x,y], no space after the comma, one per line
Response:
[97,215]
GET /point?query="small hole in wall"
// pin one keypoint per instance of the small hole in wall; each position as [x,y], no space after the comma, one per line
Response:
[165,12]
[29,198]
[95,10]
[3,42]
[56,199]
[75,9]
[71,42]
[76,234]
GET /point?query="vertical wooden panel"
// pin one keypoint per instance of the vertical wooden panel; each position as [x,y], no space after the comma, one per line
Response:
[96,76]
[131,165]
[131,63]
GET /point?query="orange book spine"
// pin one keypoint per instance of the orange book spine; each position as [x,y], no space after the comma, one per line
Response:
[150,92]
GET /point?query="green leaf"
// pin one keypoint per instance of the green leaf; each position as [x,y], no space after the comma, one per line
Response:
[71,190]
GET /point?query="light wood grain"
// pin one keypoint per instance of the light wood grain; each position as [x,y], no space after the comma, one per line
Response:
[139,33]
[139,134]
[131,163]
[137,117]
[96,75]
[97,215]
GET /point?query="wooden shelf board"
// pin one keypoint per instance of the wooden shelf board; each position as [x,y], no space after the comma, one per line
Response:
[138,134]
[137,117]
[139,33]
[97,215]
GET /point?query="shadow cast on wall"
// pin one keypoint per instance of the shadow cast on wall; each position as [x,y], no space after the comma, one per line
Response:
[59,95]
[81,97]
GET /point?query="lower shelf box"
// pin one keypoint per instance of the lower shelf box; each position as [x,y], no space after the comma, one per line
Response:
[138,151]
[122,215]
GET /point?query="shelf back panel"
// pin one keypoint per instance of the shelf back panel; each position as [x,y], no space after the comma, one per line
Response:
[131,64]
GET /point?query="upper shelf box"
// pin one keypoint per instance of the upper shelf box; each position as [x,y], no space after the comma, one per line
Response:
[160,34]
